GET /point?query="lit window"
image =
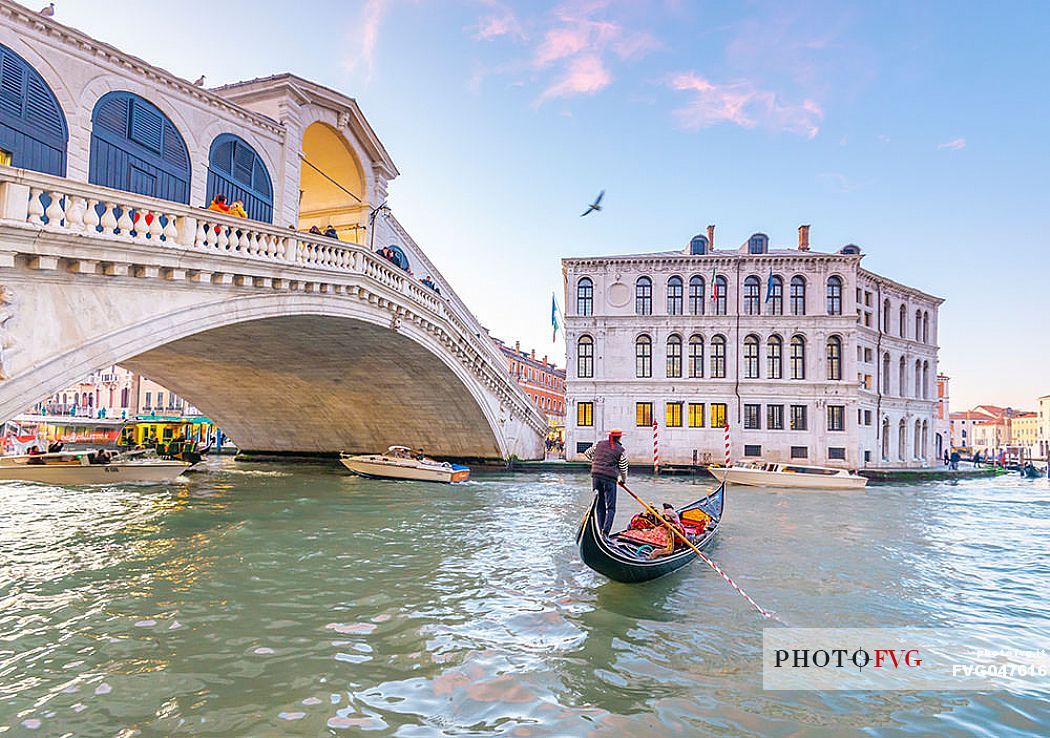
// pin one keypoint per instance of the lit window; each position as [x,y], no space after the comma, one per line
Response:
[696,415]
[585,414]
[643,414]
[674,415]
[718,414]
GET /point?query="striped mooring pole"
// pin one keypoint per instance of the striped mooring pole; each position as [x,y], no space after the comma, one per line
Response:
[728,456]
[656,450]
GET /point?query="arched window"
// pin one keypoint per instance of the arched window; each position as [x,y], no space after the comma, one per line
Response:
[834,295]
[124,397]
[924,447]
[904,321]
[925,380]
[751,357]
[643,296]
[775,357]
[758,243]
[643,357]
[886,373]
[798,357]
[917,442]
[902,439]
[696,356]
[918,379]
[585,296]
[32,125]
[718,357]
[674,356]
[775,296]
[721,288]
[236,170]
[925,327]
[585,357]
[834,358]
[918,324]
[885,439]
[698,245]
[696,295]
[135,148]
[886,316]
[902,379]
[674,295]
[752,296]
[798,295]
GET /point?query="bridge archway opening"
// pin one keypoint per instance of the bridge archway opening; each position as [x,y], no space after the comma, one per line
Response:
[318,383]
[332,188]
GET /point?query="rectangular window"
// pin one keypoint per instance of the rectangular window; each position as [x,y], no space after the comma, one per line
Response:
[752,450]
[867,455]
[582,446]
[867,381]
[160,399]
[836,417]
[643,414]
[800,452]
[585,414]
[774,417]
[696,415]
[867,320]
[149,399]
[752,417]
[836,452]
[867,417]
[867,355]
[798,417]
[674,415]
[718,414]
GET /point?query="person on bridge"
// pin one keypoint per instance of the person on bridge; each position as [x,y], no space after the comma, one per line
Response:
[218,204]
[608,465]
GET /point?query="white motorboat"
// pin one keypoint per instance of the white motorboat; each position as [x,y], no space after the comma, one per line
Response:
[67,468]
[400,462]
[796,476]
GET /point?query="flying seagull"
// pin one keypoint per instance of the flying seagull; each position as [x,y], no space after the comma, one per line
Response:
[594,206]
[49,11]
[200,81]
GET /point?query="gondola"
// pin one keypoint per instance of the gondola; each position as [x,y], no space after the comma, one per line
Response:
[619,559]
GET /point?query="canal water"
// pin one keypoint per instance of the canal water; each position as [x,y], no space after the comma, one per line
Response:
[270,600]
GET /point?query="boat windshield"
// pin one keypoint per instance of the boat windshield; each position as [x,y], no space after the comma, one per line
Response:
[810,470]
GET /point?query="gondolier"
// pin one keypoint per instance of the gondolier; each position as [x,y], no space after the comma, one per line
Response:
[608,464]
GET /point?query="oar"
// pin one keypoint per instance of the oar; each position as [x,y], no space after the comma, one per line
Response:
[765,613]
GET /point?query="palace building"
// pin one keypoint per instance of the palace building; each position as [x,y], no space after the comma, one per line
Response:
[806,355]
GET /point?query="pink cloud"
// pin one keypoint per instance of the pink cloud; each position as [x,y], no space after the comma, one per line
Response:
[502,21]
[954,145]
[584,75]
[368,34]
[743,104]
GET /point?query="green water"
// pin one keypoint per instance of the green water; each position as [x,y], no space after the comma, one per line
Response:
[271,600]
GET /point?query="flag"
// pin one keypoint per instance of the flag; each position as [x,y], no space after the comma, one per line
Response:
[554,319]
[714,286]
[769,285]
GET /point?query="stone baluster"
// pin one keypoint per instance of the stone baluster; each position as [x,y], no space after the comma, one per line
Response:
[211,236]
[91,217]
[109,219]
[55,213]
[171,230]
[75,213]
[224,239]
[155,228]
[36,208]
[253,243]
[200,236]
[234,240]
[141,227]
[124,222]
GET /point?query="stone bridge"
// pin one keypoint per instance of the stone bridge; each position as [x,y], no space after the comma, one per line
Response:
[291,342]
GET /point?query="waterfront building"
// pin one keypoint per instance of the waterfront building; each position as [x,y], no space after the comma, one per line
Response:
[111,392]
[1043,442]
[943,412]
[539,377]
[807,355]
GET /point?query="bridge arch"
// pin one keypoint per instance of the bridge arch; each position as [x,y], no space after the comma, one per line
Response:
[301,372]
[332,182]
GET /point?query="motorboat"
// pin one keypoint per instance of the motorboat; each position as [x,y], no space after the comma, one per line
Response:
[67,468]
[401,462]
[794,476]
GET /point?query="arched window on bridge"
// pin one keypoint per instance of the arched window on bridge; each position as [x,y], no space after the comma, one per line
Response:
[135,148]
[237,171]
[33,132]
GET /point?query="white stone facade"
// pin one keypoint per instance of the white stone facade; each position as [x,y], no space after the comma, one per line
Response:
[861,409]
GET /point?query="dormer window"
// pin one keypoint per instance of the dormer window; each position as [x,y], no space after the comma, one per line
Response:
[758,244]
[851,249]
[698,246]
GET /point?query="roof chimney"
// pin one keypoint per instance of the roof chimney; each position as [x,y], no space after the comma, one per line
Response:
[711,237]
[803,238]
[534,354]
[545,360]
[517,346]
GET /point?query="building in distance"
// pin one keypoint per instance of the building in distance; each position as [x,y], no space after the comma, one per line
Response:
[540,378]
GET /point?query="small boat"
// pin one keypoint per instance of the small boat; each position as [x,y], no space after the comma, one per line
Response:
[400,462]
[623,560]
[83,467]
[767,474]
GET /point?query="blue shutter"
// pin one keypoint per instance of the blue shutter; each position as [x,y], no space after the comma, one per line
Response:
[42,109]
[112,115]
[32,125]
[146,127]
[243,161]
[174,147]
[238,172]
[12,85]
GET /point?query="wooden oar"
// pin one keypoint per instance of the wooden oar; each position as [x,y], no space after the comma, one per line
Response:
[675,531]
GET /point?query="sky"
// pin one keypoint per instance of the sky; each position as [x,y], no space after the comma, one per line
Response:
[917,130]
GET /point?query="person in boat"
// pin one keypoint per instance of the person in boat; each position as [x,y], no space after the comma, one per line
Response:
[99,457]
[608,466]
[54,447]
[673,523]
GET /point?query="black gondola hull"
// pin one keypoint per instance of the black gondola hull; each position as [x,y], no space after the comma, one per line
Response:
[616,560]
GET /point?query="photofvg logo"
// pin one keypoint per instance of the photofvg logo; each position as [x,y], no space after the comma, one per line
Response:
[984,658]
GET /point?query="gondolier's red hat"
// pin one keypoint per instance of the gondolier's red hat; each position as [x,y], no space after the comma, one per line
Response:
[613,435]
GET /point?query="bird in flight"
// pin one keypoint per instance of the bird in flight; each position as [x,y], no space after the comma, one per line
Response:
[594,206]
